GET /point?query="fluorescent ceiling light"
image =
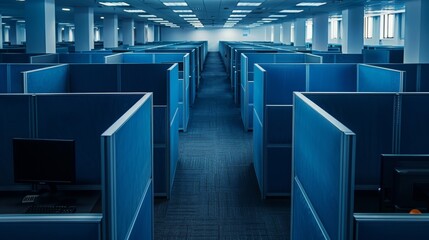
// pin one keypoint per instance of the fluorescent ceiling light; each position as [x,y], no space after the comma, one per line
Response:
[182,11]
[134,11]
[235,19]
[187,19]
[237,15]
[114,4]
[20,0]
[175,4]
[147,16]
[155,19]
[21,21]
[6,16]
[248,4]
[66,9]
[241,11]
[269,19]
[101,17]
[291,11]
[311,4]
[187,15]
[264,21]
[232,21]
[162,21]
[277,16]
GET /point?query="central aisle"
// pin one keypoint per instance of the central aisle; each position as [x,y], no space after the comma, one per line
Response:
[215,193]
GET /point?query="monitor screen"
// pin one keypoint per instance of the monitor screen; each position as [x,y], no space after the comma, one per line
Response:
[404,181]
[44,160]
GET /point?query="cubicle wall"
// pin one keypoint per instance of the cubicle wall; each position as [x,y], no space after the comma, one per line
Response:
[383,123]
[416,76]
[273,88]
[87,57]
[383,55]
[11,77]
[247,68]
[323,154]
[161,79]
[82,117]
[184,70]
[340,57]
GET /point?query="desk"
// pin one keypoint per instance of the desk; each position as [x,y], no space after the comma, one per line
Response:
[86,201]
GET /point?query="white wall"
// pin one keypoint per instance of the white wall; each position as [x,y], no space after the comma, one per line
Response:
[213,35]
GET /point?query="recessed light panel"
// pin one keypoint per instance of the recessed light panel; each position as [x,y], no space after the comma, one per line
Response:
[147,16]
[114,4]
[248,4]
[134,11]
[237,15]
[291,11]
[182,11]
[175,4]
[277,16]
[187,15]
[311,4]
[241,11]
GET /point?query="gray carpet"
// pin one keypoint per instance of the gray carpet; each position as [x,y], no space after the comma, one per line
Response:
[215,193]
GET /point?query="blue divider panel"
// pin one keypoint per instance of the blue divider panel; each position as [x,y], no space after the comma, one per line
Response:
[410,76]
[16,120]
[4,81]
[286,78]
[46,58]
[309,58]
[115,58]
[424,77]
[375,56]
[94,78]
[391,226]
[258,126]
[74,58]
[66,227]
[16,76]
[323,149]
[376,79]
[349,58]
[138,58]
[370,116]
[53,79]
[16,57]
[142,229]
[174,122]
[332,77]
[81,117]
[414,128]
[127,162]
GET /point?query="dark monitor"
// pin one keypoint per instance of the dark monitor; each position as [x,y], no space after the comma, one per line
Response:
[404,182]
[44,161]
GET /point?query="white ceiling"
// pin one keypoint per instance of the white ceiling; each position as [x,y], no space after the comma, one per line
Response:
[212,13]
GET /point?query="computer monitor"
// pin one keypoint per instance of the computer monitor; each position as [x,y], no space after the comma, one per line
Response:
[404,182]
[44,161]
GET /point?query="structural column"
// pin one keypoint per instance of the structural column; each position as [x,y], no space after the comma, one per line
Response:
[40,20]
[84,28]
[299,32]
[110,31]
[127,28]
[352,41]
[1,32]
[276,33]
[416,39]
[269,33]
[59,33]
[320,32]
[13,32]
[286,32]
[140,32]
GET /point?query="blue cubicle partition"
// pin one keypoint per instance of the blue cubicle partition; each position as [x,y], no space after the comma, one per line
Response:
[11,77]
[127,156]
[247,68]
[322,154]
[273,88]
[84,118]
[340,57]
[16,57]
[385,79]
[162,79]
[184,67]
[87,57]
[381,123]
[416,76]
[383,55]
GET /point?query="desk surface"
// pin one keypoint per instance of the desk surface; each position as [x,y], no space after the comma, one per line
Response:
[86,201]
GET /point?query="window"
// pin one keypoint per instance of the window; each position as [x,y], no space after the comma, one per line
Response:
[334,29]
[368,26]
[292,33]
[309,30]
[387,26]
